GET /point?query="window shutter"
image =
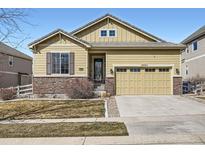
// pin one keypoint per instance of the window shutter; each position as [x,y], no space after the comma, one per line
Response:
[48,62]
[72,63]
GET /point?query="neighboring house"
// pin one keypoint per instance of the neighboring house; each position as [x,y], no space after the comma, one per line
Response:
[15,67]
[120,57]
[193,57]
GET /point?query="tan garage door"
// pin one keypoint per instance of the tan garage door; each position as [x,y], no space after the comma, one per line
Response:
[143,81]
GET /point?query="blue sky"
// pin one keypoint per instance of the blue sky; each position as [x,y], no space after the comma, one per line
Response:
[169,24]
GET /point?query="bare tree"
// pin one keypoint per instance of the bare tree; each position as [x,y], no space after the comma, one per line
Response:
[10,30]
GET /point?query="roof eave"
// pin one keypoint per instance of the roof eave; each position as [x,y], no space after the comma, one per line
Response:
[31,45]
[186,41]
[120,48]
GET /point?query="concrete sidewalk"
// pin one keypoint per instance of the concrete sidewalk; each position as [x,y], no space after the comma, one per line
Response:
[139,139]
[62,120]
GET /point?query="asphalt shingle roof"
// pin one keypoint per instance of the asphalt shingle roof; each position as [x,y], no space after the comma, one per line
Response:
[200,32]
[56,31]
[13,52]
[137,45]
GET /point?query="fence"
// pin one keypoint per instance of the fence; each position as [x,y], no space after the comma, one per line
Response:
[25,90]
[199,89]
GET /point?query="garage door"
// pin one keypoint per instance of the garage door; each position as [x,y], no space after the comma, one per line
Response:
[143,81]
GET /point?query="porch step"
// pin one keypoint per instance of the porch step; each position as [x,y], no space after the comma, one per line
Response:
[99,87]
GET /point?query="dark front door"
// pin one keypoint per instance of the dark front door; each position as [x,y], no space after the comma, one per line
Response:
[98,69]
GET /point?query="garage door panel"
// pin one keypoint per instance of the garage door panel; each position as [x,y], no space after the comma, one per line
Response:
[143,81]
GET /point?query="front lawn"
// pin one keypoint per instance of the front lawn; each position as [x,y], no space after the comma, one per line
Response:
[63,129]
[203,98]
[35,109]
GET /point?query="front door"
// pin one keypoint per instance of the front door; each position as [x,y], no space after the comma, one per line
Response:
[98,69]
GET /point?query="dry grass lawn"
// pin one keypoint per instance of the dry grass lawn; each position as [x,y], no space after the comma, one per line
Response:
[35,109]
[63,129]
[201,98]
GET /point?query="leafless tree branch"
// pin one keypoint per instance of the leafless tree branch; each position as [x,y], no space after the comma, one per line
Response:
[10,30]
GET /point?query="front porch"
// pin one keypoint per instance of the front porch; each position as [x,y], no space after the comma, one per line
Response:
[97,70]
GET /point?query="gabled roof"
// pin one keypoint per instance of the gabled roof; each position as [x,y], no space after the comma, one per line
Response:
[5,49]
[119,21]
[200,32]
[53,33]
[137,45]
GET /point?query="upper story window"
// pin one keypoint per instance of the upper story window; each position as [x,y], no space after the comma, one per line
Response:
[195,46]
[103,33]
[108,33]
[60,63]
[11,61]
[112,33]
[187,70]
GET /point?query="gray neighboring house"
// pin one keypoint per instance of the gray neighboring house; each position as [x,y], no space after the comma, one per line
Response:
[193,57]
[15,67]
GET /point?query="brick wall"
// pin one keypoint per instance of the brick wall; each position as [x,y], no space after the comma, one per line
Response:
[53,85]
[177,85]
[110,85]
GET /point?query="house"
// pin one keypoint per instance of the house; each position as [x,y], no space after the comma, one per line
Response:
[119,57]
[15,67]
[193,57]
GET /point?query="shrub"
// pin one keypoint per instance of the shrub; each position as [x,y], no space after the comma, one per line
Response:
[80,89]
[7,93]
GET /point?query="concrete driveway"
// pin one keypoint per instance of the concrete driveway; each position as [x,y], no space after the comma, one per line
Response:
[162,115]
[138,106]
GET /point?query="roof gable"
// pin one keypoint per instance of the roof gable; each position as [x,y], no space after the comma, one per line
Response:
[58,31]
[108,16]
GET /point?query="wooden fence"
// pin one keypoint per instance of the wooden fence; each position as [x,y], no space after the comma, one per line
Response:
[25,90]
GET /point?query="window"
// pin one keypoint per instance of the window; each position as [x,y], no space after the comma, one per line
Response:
[187,70]
[134,69]
[164,70]
[187,50]
[103,33]
[195,46]
[112,33]
[60,63]
[11,60]
[149,70]
[121,70]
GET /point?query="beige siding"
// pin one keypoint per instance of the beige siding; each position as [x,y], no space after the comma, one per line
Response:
[124,34]
[56,44]
[171,57]
[143,83]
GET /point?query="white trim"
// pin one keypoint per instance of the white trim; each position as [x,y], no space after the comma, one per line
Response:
[177,76]
[194,58]
[103,30]
[54,35]
[5,72]
[118,22]
[11,58]
[193,46]
[115,33]
[143,65]
[60,52]
[106,108]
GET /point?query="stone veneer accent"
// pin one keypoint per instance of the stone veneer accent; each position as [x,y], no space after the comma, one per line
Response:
[53,85]
[177,85]
[110,85]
